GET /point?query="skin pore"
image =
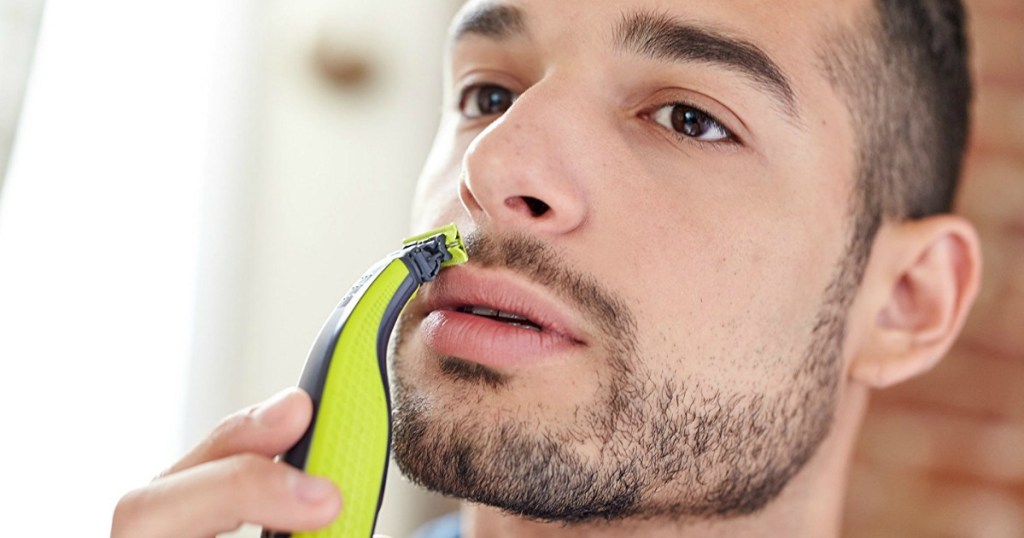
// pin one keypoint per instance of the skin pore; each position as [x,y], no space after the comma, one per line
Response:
[689,171]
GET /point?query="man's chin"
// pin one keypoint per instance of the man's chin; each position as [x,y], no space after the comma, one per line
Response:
[502,466]
[647,460]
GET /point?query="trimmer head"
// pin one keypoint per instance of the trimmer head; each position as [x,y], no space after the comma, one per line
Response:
[452,240]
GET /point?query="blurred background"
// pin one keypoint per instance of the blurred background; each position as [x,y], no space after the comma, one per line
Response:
[190,187]
[943,455]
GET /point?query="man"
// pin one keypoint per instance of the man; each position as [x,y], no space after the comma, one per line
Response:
[718,225]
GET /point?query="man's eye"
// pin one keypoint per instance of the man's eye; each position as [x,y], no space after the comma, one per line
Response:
[691,122]
[482,100]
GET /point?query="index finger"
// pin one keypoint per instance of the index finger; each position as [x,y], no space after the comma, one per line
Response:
[267,429]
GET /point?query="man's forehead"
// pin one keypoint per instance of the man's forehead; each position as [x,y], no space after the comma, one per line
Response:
[799,23]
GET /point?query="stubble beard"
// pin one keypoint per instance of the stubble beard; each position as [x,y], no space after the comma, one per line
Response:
[665,448]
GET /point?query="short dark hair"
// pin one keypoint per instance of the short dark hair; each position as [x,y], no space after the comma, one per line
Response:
[903,72]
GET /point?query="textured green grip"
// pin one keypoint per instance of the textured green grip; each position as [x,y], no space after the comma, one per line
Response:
[346,376]
[350,439]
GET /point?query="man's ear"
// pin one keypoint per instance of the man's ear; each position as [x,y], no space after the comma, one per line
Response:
[919,285]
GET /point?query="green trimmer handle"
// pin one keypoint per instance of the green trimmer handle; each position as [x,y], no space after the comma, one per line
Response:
[349,437]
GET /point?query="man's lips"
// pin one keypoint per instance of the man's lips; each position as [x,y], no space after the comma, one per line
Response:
[495,320]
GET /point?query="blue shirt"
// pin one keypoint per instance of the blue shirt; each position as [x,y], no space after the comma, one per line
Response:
[443,527]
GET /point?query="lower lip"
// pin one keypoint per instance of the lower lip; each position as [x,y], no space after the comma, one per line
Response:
[488,342]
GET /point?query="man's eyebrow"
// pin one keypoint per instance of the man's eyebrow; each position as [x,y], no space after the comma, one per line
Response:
[661,37]
[491,20]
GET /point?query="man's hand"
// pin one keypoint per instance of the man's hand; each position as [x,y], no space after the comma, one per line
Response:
[230,478]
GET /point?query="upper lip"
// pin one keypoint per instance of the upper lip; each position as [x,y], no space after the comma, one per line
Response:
[463,286]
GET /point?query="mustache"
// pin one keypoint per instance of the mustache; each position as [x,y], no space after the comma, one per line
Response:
[541,263]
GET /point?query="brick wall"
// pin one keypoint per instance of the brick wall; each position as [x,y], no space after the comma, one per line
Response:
[943,455]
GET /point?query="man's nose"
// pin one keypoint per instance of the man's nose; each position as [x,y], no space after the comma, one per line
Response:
[524,171]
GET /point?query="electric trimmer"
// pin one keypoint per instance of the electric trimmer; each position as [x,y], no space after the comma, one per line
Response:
[349,437]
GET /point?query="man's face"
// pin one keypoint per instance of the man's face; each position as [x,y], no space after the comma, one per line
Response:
[663,190]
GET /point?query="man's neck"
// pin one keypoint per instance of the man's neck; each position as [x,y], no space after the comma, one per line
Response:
[810,505]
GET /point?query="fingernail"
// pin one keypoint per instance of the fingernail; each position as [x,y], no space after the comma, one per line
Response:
[271,411]
[313,489]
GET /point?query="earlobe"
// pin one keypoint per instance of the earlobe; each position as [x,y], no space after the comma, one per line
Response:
[925,276]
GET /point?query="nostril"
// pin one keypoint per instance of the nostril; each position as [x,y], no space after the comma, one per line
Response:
[537,207]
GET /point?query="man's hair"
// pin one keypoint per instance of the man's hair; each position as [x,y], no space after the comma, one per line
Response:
[903,73]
